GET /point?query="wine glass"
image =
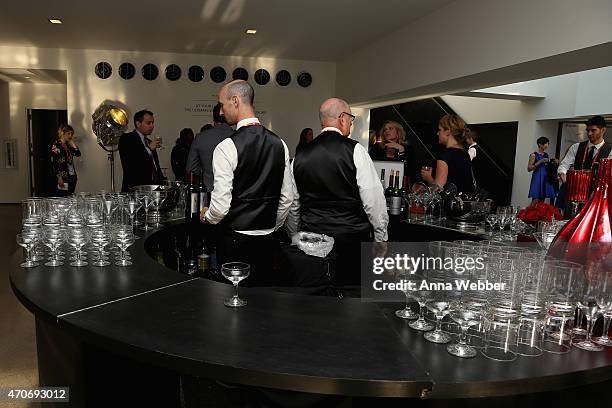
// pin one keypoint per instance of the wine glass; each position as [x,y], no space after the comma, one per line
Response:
[123,238]
[597,297]
[76,239]
[157,199]
[492,220]
[101,237]
[146,200]
[438,303]
[402,276]
[27,240]
[466,316]
[133,205]
[235,272]
[159,139]
[53,237]
[421,295]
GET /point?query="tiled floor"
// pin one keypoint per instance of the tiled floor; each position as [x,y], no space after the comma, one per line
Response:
[17,339]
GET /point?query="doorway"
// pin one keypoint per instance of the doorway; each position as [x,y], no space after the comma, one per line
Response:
[42,132]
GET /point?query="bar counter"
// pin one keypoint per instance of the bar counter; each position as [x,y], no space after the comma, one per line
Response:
[119,335]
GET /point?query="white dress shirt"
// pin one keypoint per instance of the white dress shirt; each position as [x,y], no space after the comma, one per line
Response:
[225,160]
[570,156]
[370,191]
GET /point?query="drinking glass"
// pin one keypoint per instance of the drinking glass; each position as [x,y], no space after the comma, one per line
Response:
[597,297]
[123,238]
[157,199]
[32,211]
[492,220]
[133,205]
[465,315]
[406,312]
[438,303]
[146,200]
[27,240]
[421,296]
[76,239]
[235,272]
[159,139]
[53,237]
[101,237]
[604,340]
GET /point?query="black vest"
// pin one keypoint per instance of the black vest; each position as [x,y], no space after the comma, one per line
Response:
[582,153]
[258,178]
[326,179]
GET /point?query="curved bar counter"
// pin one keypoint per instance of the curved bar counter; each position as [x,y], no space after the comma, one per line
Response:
[118,330]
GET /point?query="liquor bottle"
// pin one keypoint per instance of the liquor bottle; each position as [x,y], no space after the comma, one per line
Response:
[396,197]
[382,178]
[389,190]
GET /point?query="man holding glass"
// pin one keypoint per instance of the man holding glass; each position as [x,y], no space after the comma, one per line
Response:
[252,186]
[338,193]
[139,154]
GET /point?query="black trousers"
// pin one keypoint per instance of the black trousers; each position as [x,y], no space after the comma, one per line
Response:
[256,250]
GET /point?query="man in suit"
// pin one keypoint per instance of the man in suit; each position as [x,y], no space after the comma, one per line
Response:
[252,186]
[199,161]
[337,192]
[139,154]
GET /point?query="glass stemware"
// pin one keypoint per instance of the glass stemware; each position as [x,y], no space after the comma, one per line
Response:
[492,220]
[465,316]
[76,239]
[27,240]
[157,199]
[438,303]
[235,272]
[597,297]
[406,312]
[133,205]
[53,237]
[146,200]
[123,238]
[101,237]
[421,296]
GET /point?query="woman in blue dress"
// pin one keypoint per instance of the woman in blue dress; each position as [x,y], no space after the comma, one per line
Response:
[540,188]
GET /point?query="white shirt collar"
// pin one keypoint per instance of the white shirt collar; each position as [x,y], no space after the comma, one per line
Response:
[597,146]
[472,145]
[331,129]
[247,121]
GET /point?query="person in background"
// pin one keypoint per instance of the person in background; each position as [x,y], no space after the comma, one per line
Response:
[454,164]
[200,159]
[206,127]
[582,155]
[252,187]
[139,154]
[63,152]
[337,192]
[180,151]
[392,145]
[306,136]
[540,188]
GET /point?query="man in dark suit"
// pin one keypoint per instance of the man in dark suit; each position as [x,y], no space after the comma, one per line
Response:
[199,161]
[138,153]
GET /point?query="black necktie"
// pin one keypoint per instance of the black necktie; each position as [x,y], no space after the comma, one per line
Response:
[589,160]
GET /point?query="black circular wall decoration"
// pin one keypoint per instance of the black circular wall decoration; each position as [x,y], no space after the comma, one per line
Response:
[218,74]
[283,77]
[173,72]
[127,71]
[240,73]
[103,70]
[195,73]
[262,76]
[304,79]
[150,72]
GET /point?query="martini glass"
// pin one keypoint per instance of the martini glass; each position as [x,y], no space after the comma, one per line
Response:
[235,272]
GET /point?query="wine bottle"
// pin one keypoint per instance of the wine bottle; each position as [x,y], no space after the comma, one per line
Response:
[403,192]
[389,191]
[192,201]
[396,197]
[382,178]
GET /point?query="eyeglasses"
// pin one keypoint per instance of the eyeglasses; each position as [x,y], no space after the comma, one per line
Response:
[349,115]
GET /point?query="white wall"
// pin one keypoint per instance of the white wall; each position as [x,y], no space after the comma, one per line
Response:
[4,111]
[23,96]
[472,44]
[285,110]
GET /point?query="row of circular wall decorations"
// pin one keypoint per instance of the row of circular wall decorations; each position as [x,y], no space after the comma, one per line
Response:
[196,73]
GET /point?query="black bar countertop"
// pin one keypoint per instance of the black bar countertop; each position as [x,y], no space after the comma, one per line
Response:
[285,341]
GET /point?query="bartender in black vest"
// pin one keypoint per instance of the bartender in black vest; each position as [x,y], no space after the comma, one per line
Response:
[252,186]
[582,155]
[337,192]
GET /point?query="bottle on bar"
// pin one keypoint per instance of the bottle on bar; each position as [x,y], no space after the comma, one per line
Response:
[403,192]
[396,197]
[389,190]
[192,220]
[204,195]
[192,200]
[382,178]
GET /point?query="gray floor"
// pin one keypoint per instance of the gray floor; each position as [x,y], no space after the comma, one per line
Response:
[17,340]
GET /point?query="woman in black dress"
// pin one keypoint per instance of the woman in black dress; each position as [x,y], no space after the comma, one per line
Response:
[63,151]
[453,164]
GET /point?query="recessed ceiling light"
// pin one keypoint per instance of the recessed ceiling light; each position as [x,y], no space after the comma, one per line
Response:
[251,31]
[27,77]
[55,21]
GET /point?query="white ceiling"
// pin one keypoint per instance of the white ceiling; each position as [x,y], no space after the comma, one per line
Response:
[319,30]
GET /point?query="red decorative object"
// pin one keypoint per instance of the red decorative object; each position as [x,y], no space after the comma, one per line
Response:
[539,211]
[577,240]
[578,185]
